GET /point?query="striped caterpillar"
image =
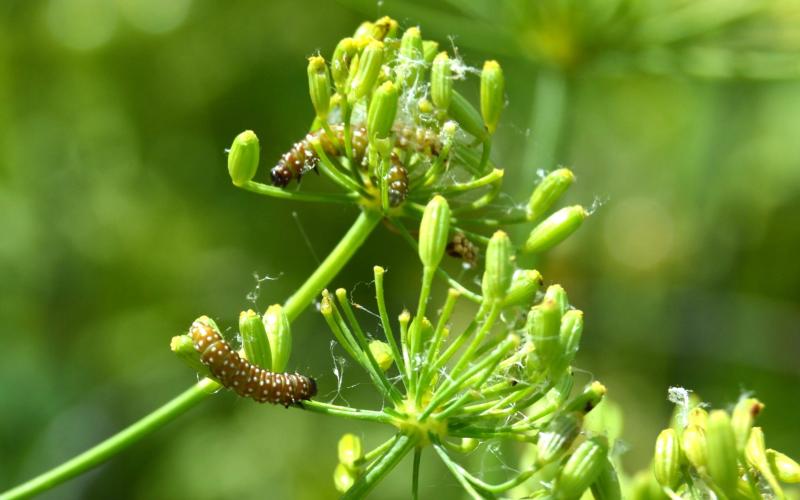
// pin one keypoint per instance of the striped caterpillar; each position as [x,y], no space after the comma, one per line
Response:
[302,157]
[245,378]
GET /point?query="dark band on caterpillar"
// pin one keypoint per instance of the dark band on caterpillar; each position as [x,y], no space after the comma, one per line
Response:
[302,157]
[462,248]
[245,378]
[397,177]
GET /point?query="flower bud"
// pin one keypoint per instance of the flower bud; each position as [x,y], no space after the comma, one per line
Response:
[557,436]
[243,158]
[667,459]
[742,418]
[555,229]
[350,451]
[784,467]
[756,454]
[570,334]
[466,115]
[254,339]
[693,445]
[319,86]
[697,416]
[369,66]
[364,30]
[410,57]
[606,486]
[433,231]
[441,81]
[429,50]
[382,354]
[542,326]
[280,336]
[548,192]
[340,62]
[383,28]
[582,468]
[721,451]
[524,285]
[588,399]
[498,267]
[557,294]
[493,86]
[183,347]
[382,110]
[343,478]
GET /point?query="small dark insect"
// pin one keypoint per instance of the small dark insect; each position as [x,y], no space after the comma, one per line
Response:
[302,157]
[245,378]
[397,176]
[462,248]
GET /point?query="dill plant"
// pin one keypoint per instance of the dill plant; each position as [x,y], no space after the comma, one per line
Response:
[400,143]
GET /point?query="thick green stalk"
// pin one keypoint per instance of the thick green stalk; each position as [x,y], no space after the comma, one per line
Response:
[340,255]
[547,123]
[331,266]
[113,445]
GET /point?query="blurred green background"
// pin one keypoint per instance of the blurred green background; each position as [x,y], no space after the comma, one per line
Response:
[119,223]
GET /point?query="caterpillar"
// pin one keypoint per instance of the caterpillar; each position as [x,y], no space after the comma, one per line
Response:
[462,248]
[302,158]
[397,177]
[245,378]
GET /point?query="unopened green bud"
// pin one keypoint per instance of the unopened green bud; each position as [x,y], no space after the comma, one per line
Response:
[429,50]
[755,452]
[784,467]
[410,57]
[350,451]
[319,86]
[433,232]
[369,66]
[525,283]
[667,459]
[588,399]
[493,86]
[697,416]
[340,62]
[557,294]
[553,399]
[425,106]
[557,437]
[582,468]
[364,30]
[382,354]
[721,451]
[343,478]
[543,324]
[382,110]
[555,229]
[570,334]
[243,158]
[466,115]
[385,27]
[548,192]
[183,347]
[498,268]
[693,445]
[254,339]
[441,81]
[606,486]
[280,336]
[742,418]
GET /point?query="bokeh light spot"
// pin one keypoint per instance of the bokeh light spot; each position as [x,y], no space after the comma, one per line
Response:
[81,24]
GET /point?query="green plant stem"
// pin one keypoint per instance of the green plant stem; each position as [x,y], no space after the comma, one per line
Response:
[455,470]
[276,192]
[381,467]
[347,412]
[340,255]
[332,264]
[386,323]
[415,474]
[113,445]
[547,122]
